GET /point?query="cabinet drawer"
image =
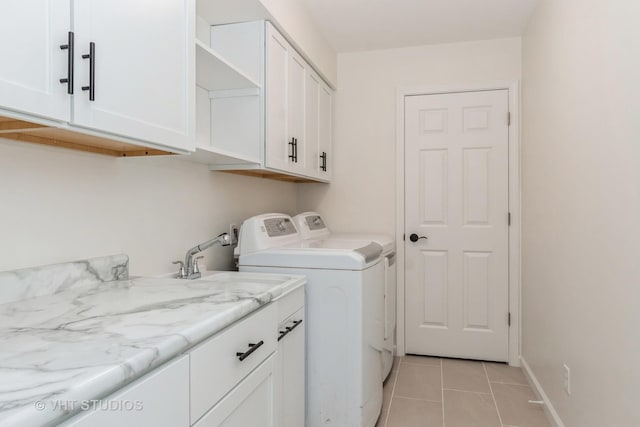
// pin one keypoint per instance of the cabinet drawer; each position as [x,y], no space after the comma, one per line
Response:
[290,303]
[215,367]
[160,398]
[249,404]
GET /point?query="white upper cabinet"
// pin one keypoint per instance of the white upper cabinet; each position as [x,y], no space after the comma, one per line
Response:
[295,111]
[279,143]
[141,82]
[285,95]
[33,63]
[312,88]
[325,125]
[273,129]
[115,77]
[318,127]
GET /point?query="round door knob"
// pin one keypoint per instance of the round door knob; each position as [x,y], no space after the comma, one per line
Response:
[414,237]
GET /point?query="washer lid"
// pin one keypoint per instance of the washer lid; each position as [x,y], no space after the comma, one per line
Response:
[310,225]
[384,240]
[318,255]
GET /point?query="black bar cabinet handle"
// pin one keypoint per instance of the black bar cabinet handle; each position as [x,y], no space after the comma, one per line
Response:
[253,347]
[295,325]
[323,166]
[295,146]
[288,329]
[292,156]
[70,55]
[91,56]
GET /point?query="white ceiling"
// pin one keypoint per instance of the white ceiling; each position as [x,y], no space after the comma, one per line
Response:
[353,25]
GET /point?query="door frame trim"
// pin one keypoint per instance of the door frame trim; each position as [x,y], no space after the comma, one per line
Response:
[513,86]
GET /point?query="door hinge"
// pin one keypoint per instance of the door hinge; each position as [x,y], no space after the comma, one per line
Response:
[509,319]
[509,118]
[509,219]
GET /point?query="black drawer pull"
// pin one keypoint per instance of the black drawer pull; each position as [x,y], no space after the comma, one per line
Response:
[289,329]
[295,325]
[253,347]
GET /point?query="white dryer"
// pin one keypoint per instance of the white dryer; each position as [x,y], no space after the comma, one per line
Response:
[311,225]
[344,297]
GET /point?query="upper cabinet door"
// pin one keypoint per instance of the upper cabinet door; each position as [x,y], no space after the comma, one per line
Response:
[279,143]
[325,131]
[33,63]
[318,127]
[143,78]
[312,155]
[285,91]
[295,111]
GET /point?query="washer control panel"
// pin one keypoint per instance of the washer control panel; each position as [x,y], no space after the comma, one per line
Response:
[266,231]
[277,227]
[315,222]
[311,225]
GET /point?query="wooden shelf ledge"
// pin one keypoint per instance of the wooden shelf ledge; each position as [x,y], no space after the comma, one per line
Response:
[270,175]
[25,131]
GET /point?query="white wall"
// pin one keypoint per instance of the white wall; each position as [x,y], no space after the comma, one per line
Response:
[581,207]
[59,205]
[362,194]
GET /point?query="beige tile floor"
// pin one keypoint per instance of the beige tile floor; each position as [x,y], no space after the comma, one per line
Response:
[433,392]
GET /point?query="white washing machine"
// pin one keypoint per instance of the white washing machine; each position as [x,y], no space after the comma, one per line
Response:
[344,297]
[312,226]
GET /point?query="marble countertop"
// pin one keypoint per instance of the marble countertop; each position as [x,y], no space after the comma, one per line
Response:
[84,342]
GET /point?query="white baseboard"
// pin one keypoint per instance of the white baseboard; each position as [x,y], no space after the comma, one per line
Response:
[551,412]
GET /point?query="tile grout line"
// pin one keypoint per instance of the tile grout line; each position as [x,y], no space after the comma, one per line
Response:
[417,399]
[442,389]
[484,367]
[503,383]
[393,391]
[421,364]
[466,391]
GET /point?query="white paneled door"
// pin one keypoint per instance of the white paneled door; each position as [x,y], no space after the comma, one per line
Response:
[456,224]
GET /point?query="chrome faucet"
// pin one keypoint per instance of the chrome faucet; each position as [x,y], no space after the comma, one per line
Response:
[189,268]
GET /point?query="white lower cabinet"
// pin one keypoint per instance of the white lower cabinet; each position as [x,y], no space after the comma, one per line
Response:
[249,404]
[161,399]
[242,376]
[290,361]
[222,361]
[290,371]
